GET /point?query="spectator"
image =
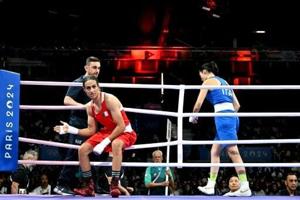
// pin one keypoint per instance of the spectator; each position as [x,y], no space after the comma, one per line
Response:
[44,188]
[20,178]
[258,189]
[291,183]
[155,177]
[4,184]
[233,184]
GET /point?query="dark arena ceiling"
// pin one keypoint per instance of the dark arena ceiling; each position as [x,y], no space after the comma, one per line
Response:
[229,23]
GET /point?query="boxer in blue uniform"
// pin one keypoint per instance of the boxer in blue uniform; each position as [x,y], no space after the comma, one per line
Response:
[224,101]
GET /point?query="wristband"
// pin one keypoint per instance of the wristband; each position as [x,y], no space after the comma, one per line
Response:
[98,149]
[106,141]
[73,130]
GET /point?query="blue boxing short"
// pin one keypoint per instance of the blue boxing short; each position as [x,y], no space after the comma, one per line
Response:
[227,127]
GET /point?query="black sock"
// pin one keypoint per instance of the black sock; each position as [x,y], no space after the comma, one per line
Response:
[87,176]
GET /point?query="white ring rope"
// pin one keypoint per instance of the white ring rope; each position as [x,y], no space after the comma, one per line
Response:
[46,107]
[245,114]
[172,143]
[158,86]
[246,87]
[261,141]
[109,85]
[72,146]
[146,164]
[134,110]
[168,113]
[180,142]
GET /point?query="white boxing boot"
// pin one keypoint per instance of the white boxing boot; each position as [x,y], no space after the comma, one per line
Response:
[209,188]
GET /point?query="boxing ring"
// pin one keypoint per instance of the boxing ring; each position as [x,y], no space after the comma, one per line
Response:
[179,142]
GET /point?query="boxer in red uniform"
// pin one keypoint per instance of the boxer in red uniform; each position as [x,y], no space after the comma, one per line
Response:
[115,135]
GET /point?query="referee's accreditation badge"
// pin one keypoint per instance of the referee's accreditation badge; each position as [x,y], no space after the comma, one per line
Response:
[9,120]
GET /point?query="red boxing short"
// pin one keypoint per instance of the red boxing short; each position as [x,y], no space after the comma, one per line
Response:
[128,138]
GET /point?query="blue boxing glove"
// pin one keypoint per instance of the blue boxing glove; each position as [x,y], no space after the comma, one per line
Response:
[98,149]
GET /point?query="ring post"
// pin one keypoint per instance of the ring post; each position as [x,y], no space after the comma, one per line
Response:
[9,121]
[168,137]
